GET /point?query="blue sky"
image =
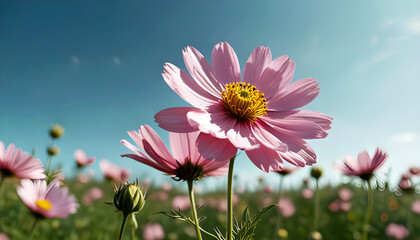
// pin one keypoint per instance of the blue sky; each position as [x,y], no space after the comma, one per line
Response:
[95,67]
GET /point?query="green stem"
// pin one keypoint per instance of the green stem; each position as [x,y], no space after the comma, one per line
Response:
[193,209]
[31,233]
[133,226]
[47,168]
[229,232]
[122,227]
[368,212]
[278,222]
[316,207]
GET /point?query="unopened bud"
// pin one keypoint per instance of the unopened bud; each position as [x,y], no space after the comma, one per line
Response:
[56,131]
[316,236]
[282,234]
[53,150]
[129,198]
[316,172]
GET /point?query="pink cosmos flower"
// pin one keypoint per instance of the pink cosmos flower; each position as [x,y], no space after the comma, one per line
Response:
[256,113]
[81,158]
[416,206]
[397,231]
[4,236]
[334,206]
[345,194]
[286,170]
[185,162]
[160,196]
[414,171]
[405,182]
[20,164]
[181,203]
[307,193]
[365,166]
[167,186]
[48,201]
[94,194]
[114,172]
[268,189]
[83,178]
[286,207]
[153,231]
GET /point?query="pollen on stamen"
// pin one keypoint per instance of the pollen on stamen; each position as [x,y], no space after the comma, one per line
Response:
[244,102]
[44,204]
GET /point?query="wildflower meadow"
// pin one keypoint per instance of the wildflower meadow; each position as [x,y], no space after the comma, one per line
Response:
[239,152]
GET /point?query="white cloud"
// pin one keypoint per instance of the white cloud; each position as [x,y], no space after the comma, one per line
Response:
[117,61]
[412,27]
[408,137]
[75,60]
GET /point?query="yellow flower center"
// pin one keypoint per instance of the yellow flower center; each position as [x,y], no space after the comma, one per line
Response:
[44,204]
[243,101]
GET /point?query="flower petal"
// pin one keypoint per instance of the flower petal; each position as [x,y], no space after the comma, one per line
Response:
[186,87]
[276,76]
[216,123]
[176,120]
[364,161]
[156,144]
[296,95]
[265,159]
[242,137]
[201,71]
[225,64]
[213,148]
[183,145]
[378,159]
[259,59]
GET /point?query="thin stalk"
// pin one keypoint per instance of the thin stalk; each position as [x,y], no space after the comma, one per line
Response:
[31,233]
[278,222]
[229,233]
[316,207]
[47,168]
[133,226]
[122,227]
[368,212]
[193,209]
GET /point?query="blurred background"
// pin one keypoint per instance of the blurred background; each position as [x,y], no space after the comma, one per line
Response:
[95,67]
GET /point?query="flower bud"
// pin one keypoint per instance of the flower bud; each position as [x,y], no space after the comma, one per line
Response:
[56,131]
[316,172]
[282,234]
[53,150]
[316,236]
[129,198]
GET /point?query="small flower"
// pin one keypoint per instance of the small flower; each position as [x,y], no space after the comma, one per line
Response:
[129,198]
[405,183]
[286,171]
[181,203]
[282,233]
[397,231]
[415,171]
[47,201]
[56,131]
[114,172]
[316,172]
[365,166]
[4,236]
[256,113]
[13,162]
[415,207]
[316,236]
[167,186]
[185,163]
[268,189]
[334,206]
[53,150]
[345,194]
[286,207]
[81,158]
[93,195]
[153,231]
[307,193]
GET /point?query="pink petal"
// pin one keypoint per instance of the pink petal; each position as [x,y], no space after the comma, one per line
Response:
[276,76]
[201,71]
[265,159]
[225,64]
[296,95]
[264,134]
[143,159]
[242,137]
[364,161]
[216,123]
[183,145]
[299,152]
[214,148]
[175,119]
[378,159]
[186,87]
[259,59]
